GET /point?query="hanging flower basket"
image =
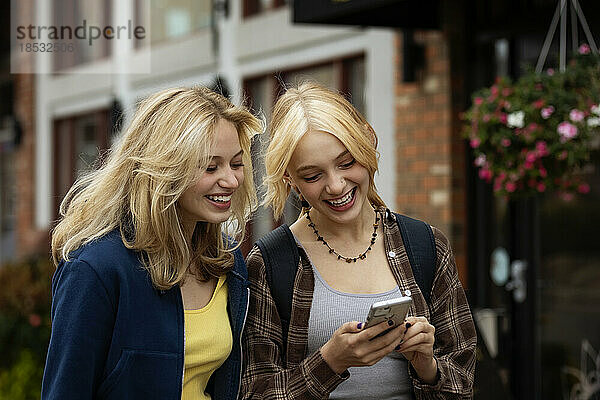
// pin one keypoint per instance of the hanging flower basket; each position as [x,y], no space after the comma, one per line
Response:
[536,134]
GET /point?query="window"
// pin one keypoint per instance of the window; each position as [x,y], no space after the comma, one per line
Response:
[346,75]
[252,7]
[77,142]
[75,17]
[172,19]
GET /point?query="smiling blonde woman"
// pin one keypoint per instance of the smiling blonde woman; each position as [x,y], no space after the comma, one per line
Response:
[351,255]
[150,292]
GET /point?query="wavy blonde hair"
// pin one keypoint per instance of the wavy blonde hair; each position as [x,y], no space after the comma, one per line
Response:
[312,107]
[156,159]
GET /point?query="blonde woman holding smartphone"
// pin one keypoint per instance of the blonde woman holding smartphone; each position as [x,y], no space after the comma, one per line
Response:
[351,255]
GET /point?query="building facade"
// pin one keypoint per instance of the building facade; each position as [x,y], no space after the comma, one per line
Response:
[408,66]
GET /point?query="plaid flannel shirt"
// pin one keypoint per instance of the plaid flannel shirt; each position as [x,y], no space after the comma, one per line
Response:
[269,375]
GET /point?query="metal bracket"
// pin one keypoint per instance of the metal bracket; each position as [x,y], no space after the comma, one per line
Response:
[561,12]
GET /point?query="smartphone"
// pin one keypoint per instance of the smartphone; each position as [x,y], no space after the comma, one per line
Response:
[394,309]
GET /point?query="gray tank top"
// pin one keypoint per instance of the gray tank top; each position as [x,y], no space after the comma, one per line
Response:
[386,380]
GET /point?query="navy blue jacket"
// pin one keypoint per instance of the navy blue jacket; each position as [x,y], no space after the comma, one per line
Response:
[114,336]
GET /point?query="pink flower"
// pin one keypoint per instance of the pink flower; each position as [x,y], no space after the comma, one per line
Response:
[547,112]
[550,71]
[510,187]
[531,157]
[503,118]
[494,90]
[541,187]
[543,172]
[475,142]
[486,118]
[583,188]
[35,320]
[562,155]
[528,165]
[532,127]
[576,115]
[584,49]
[505,142]
[541,148]
[485,174]
[566,131]
[478,101]
[506,92]
[538,103]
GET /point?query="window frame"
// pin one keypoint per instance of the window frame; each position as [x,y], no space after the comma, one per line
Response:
[65,159]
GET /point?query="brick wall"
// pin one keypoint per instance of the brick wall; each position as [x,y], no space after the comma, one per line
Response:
[430,167]
[29,240]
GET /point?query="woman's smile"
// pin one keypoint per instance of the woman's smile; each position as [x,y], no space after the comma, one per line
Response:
[220,200]
[344,202]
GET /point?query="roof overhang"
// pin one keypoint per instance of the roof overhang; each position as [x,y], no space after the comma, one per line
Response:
[410,14]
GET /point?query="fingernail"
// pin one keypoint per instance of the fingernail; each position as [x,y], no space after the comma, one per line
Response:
[397,347]
[408,325]
[390,322]
[359,326]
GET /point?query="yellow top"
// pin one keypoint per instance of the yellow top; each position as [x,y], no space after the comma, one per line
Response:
[208,342]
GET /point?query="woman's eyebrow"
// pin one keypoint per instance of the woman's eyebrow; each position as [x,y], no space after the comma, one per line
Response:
[343,154]
[307,167]
[239,153]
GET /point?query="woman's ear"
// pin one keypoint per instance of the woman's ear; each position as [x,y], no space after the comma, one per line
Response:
[288,181]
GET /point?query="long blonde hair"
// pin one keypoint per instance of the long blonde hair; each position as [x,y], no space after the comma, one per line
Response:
[311,107]
[147,170]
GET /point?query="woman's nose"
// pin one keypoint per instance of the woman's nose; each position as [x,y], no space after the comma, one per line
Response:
[336,184]
[228,180]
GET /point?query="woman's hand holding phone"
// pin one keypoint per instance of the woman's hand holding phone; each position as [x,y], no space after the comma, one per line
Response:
[353,345]
[417,347]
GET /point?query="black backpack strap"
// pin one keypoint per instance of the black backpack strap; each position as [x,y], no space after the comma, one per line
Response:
[280,255]
[420,246]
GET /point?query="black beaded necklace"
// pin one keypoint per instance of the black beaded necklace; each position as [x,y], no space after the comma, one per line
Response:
[332,250]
